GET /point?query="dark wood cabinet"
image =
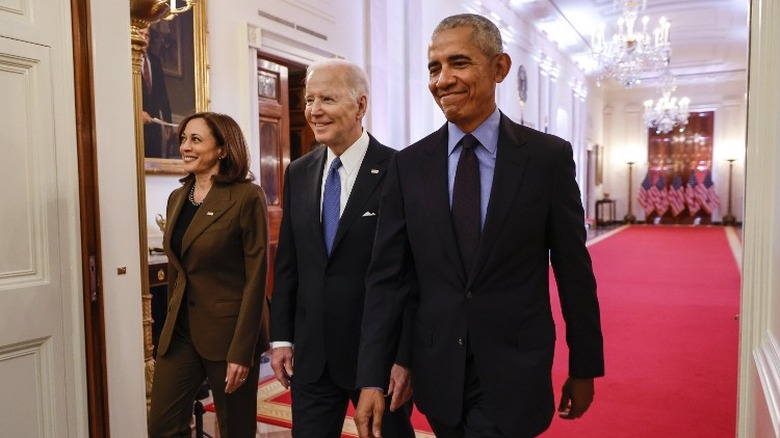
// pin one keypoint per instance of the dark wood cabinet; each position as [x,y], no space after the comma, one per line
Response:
[158,287]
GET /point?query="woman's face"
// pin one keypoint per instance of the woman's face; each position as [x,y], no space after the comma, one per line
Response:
[199,149]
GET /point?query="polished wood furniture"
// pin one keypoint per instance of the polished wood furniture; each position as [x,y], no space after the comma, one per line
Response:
[605,212]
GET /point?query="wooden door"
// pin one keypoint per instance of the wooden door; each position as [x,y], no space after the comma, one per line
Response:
[274,120]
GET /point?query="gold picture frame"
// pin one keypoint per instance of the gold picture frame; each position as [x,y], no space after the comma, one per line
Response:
[183,44]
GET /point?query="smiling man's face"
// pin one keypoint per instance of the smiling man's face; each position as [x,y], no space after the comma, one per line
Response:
[462,79]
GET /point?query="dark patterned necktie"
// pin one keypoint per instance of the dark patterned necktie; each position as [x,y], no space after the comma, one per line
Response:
[465,201]
[331,200]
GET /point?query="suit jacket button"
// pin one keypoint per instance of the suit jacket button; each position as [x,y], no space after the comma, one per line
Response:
[468,294]
[460,341]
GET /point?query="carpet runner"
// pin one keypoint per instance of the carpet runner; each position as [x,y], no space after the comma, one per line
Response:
[669,300]
[669,307]
[273,407]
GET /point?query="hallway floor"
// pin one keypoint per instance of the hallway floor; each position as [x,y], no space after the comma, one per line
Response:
[270,431]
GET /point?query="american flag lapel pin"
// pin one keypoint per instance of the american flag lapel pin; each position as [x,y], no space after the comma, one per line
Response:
[374,171]
[209,213]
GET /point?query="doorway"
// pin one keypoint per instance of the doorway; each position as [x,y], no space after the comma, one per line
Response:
[284,135]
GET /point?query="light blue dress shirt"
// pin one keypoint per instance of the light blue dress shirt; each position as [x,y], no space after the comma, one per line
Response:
[487,134]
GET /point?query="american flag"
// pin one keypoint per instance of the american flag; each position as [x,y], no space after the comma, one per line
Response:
[708,189]
[644,196]
[690,195]
[660,195]
[677,195]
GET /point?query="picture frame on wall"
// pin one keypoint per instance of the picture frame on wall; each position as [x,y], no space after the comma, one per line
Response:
[180,45]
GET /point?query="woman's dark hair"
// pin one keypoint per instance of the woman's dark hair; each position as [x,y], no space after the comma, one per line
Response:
[234,167]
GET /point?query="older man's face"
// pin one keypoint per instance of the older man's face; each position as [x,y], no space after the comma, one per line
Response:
[333,113]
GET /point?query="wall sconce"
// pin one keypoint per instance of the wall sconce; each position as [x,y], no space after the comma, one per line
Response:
[188,4]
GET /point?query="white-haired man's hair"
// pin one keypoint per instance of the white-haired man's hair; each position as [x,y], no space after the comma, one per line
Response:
[355,77]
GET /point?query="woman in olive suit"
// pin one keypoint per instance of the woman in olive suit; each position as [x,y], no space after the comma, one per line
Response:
[216,325]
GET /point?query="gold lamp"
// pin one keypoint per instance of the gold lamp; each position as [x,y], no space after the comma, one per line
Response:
[729,218]
[630,218]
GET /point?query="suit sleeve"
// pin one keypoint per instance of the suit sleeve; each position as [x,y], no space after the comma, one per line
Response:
[403,355]
[574,272]
[253,219]
[283,299]
[388,284]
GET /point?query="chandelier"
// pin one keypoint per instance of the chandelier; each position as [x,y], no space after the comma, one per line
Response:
[667,112]
[630,52]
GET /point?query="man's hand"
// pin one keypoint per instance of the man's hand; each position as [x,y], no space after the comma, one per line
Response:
[368,413]
[400,387]
[282,364]
[146,117]
[576,397]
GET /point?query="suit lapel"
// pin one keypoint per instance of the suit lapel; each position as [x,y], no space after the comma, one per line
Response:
[371,172]
[437,195]
[511,161]
[313,180]
[177,201]
[217,202]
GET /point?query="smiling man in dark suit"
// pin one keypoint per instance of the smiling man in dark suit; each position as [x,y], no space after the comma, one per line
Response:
[471,218]
[330,207]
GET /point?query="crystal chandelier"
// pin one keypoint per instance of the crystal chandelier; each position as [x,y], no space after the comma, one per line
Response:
[667,112]
[630,52]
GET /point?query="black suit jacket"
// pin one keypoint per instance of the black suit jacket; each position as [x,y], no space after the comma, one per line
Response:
[317,301]
[534,218]
[155,102]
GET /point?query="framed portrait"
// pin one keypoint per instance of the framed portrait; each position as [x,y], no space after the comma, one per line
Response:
[168,45]
[175,85]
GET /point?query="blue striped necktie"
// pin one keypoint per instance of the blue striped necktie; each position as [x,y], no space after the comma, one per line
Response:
[331,200]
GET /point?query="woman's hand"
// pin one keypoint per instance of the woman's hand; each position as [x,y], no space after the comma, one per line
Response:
[236,376]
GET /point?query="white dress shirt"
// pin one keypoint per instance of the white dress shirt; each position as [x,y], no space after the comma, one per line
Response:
[351,160]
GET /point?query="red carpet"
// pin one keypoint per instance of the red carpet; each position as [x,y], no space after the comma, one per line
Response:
[669,300]
[273,407]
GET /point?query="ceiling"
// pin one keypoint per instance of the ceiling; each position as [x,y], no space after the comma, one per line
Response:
[709,38]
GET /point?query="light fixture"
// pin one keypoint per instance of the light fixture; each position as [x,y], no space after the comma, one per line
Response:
[630,52]
[629,217]
[174,11]
[668,111]
[729,218]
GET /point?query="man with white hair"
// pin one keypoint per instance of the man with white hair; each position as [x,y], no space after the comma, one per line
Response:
[330,207]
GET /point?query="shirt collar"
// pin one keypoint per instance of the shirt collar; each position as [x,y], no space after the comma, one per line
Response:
[352,156]
[486,133]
